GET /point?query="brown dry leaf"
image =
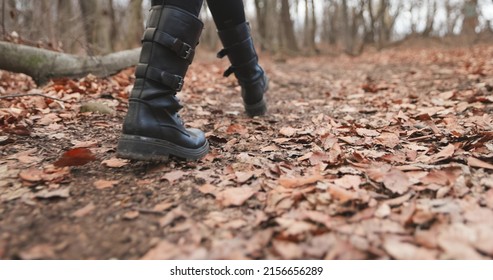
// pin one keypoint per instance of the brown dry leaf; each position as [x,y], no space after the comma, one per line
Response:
[287,250]
[319,157]
[105,184]
[341,194]
[288,131]
[60,193]
[38,252]
[173,176]
[131,215]
[235,196]
[208,189]
[163,251]
[31,175]
[389,140]
[25,157]
[163,206]
[457,241]
[406,251]
[397,181]
[84,210]
[237,129]
[243,177]
[367,132]
[300,181]
[172,215]
[348,182]
[115,162]
[444,154]
[474,162]
[84,144]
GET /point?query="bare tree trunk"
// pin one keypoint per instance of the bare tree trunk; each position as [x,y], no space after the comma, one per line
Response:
[97,25]
[288,28]
[135,26]
[470,11]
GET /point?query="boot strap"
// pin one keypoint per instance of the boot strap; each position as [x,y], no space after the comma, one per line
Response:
[175,82]
[232,69]
[182,49]
[244,44]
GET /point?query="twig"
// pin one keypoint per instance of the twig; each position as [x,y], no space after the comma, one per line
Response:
[30,94]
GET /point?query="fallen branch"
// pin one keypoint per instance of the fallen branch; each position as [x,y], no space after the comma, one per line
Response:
[30,94]
[43,65]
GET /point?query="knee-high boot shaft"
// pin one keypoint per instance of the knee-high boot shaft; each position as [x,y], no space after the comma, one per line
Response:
[239,48]
[152,128]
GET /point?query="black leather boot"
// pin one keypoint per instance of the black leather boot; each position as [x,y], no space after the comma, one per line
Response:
[152,129]
[238,46]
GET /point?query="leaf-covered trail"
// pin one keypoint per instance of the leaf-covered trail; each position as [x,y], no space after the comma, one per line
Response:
[384,156]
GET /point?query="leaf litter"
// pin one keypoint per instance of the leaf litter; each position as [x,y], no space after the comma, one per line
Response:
[357,159]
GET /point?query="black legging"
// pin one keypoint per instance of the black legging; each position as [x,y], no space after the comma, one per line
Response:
[226,13]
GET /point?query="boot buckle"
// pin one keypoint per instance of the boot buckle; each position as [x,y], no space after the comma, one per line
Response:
[187,52]
[179,83]
[183,49]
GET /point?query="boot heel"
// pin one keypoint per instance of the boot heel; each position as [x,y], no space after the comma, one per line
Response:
[258,109]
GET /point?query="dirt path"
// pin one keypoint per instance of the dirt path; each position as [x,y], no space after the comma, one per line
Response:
[384,156]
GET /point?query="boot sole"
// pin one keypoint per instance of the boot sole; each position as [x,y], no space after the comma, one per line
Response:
[257,109]
[152,149]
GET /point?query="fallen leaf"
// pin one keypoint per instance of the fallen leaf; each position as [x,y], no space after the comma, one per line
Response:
[474,162]
[243,177]
[75,157]
[383,211]
[389,140]
[104,184]
[163,206]
[235,196]
[172,216]
[38,252]
[131,215]
[31,175]
[60,193]
[444,154]
[287,250]
[288,131]
[406,251]
[341,194]
[300,181]
[348,182]
[208,189]
[173,176]
[236,129]
[115,162]
[84,210]
[84,144]
[397,181]
[367,132]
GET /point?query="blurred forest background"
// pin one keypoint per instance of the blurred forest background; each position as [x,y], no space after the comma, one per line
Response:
[302,27]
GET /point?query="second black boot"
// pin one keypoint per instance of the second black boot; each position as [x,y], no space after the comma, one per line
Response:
[238,46]
[152,129]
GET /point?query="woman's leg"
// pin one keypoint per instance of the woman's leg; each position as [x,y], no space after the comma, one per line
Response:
[234,32]
[227,13]
[191,6]
[153,129]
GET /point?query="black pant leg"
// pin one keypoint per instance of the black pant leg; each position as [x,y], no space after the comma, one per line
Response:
[191,6]
[227,13]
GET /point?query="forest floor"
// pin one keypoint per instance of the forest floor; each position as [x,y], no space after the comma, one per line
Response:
[384,156]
